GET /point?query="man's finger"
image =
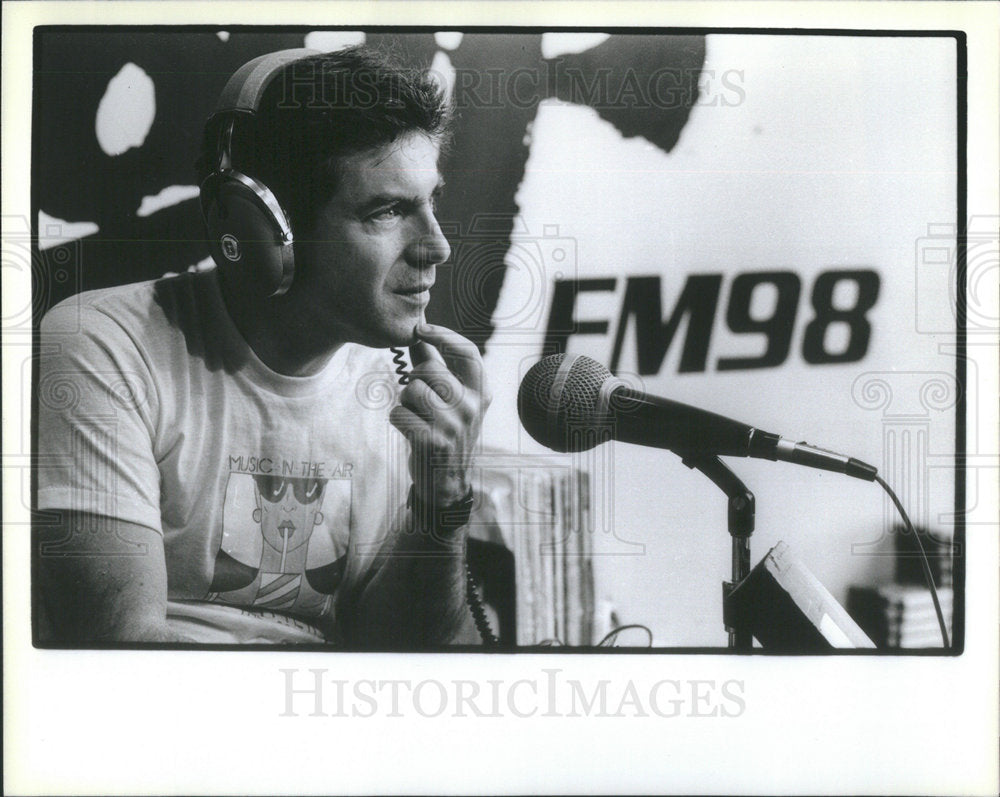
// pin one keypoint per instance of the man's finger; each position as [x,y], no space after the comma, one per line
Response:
[422,352]
[409,423]
[418,431]
[460,354]
[439,390]
[426,404]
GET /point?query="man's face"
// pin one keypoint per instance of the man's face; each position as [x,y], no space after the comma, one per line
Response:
[371,257]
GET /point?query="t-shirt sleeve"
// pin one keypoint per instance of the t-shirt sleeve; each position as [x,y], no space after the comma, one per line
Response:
[96,419]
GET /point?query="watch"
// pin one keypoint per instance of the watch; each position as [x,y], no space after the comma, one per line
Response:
[445,518]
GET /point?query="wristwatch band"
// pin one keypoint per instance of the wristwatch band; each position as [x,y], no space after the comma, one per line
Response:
[443,518]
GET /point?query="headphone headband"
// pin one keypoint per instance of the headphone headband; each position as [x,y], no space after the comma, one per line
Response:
[245,88]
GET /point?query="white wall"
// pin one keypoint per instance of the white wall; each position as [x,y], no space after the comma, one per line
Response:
[839,154]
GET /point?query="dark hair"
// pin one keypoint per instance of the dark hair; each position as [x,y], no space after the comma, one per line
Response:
[316,111]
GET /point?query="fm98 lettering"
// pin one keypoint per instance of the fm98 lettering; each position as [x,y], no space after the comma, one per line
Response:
[836,330]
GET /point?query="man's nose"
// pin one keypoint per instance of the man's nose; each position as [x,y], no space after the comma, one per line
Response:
[429,247]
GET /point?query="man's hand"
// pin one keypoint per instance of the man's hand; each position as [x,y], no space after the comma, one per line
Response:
[416,598]
[441,412]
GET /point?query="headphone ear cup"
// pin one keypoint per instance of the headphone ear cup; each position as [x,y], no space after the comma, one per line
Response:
[243,236]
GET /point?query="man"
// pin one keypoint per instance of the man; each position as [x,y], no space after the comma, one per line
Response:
[220,448]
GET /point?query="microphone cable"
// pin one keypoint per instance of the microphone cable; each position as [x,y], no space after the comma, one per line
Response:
[928,576]
[609,640]
[611,637]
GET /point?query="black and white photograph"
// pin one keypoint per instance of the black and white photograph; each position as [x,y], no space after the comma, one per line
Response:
[716,218]
[543,379]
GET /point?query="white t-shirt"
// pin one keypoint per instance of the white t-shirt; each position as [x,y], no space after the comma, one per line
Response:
[272,493]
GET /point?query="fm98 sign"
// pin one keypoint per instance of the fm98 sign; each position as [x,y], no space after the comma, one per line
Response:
[698,303]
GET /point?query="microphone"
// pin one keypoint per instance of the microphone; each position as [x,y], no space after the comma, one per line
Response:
[573,403]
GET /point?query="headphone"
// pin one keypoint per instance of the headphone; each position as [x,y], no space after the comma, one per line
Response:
[245,222]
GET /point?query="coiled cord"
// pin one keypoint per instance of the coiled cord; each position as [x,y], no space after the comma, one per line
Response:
[478,612]
[471,592]
[400,360]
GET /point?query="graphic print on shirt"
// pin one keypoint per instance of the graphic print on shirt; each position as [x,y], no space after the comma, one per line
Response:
[284,542]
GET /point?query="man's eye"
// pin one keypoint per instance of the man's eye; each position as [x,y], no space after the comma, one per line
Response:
[386,214]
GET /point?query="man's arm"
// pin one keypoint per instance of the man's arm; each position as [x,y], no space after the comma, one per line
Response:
[418,596]
[103,580]
[101,574]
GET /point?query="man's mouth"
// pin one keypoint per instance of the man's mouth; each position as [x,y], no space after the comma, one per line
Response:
[286,528]
[415,289]
[419,295]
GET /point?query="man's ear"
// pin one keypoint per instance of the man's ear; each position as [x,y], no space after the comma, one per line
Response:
[248,235]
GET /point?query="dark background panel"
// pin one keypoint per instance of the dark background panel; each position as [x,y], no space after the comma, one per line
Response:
[500,81]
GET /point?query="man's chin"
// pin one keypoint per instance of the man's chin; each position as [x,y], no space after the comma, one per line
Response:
[404,333]
[399,331]
[396,338]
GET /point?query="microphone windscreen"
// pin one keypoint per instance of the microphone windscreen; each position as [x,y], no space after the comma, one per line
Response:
[558,402]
